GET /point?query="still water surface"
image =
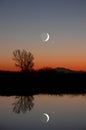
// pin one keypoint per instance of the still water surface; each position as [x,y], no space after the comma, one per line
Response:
[66,112]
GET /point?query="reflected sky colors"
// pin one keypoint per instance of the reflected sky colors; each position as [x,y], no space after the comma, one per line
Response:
[23,21]
[66,112]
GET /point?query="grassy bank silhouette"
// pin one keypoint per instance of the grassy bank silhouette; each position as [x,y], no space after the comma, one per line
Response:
[46,81]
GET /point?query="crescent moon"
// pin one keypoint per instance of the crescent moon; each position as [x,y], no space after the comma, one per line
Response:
[47,116]
[48,36]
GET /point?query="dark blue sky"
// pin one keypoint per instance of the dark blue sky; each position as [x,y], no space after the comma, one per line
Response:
[23,21]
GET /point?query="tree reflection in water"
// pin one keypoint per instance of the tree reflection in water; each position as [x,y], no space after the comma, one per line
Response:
[23,104]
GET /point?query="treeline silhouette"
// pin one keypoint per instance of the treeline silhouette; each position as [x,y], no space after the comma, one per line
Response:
[42,81]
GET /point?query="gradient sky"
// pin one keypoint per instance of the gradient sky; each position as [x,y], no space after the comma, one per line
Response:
[23,21]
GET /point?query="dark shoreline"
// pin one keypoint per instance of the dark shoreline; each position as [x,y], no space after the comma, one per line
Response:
[45,82]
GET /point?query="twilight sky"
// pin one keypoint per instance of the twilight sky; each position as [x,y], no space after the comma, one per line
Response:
[23,21]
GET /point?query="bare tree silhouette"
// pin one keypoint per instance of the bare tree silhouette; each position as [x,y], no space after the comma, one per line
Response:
[24,59]
[23,104]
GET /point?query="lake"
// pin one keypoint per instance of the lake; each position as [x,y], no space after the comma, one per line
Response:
[65,112]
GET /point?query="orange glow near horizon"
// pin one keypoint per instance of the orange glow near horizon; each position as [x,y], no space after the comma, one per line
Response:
[10,66]
[65,22]
[48,58]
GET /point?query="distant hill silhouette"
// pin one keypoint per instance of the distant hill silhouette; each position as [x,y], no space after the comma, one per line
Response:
[51,81]
[65,70]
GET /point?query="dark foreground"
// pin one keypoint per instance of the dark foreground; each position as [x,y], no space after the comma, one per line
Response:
[50,82]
